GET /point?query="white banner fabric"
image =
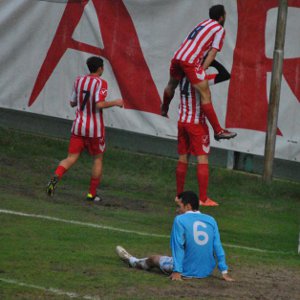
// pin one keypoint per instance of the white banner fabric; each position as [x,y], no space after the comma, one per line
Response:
[44,46]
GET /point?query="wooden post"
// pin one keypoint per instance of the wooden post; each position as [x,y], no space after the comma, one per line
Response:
[275,91]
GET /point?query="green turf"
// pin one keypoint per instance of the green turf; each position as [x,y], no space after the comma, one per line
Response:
[138,191]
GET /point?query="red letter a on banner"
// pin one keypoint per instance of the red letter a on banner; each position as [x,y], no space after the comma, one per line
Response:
[247,98]
[121,48]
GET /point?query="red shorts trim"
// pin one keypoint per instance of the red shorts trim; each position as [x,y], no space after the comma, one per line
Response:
[194,73]
[94,146]
[193,139]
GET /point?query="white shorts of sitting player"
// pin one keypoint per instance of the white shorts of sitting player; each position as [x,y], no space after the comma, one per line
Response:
[166,264]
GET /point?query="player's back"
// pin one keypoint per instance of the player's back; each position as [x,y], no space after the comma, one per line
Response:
[196,45]
[199,230]
[87,92]
[190,105]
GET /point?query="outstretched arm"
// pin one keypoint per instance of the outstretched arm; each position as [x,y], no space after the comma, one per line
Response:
[107,104]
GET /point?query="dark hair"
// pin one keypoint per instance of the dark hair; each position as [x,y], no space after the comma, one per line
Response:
[216,12]
[191,198]
[94,63]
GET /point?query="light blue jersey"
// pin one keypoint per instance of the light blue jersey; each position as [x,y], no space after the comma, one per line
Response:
[195,239]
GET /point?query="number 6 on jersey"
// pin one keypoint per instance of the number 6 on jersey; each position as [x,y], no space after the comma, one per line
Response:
[200,236]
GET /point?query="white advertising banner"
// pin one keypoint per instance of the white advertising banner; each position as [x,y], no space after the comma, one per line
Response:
[44,46]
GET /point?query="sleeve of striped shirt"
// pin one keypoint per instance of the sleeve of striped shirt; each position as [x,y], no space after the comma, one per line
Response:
[219,39]
[101,91]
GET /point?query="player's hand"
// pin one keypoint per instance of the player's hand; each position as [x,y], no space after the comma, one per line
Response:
[175,276]
[73,104]
[120,102]
[226,277]
[164,111]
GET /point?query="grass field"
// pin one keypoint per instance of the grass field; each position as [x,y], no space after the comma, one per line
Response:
[62,247]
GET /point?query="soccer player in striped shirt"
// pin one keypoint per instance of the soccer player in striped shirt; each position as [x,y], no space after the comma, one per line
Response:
[88,132]
[195,245]
[192,59]
[193,133]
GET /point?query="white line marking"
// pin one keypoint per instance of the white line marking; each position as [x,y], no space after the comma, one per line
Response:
[12,212]
[50,290]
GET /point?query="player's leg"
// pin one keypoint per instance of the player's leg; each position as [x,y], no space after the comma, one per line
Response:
[181,170]
[134,262]
[222,74]
[203,88]
[66,164]
[62,168]
[183,152]
[95,178]
[200,147]
[146,263]
[207,106]
[76,145]
[197,77]
[164,263]
[203,177]
[96,148]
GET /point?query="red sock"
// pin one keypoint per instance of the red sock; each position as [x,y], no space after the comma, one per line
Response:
[202,175]
[180,176]
[211,116]
[93,185]
[60,171]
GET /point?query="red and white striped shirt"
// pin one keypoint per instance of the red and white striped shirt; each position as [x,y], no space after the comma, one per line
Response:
[190,105]
[88,90]
[206,35]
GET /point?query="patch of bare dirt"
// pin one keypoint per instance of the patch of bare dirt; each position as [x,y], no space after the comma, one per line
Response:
[128,204]
[251,283]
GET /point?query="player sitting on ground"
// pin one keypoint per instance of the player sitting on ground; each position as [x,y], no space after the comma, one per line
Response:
[88,130]
[193,134]
[195,242]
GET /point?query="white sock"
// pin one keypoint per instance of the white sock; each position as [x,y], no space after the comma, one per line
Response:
[139,263]
[132,261]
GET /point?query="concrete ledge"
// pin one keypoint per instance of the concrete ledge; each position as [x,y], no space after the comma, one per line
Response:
[57,127]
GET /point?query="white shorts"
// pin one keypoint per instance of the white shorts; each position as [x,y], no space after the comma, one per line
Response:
[166,264]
